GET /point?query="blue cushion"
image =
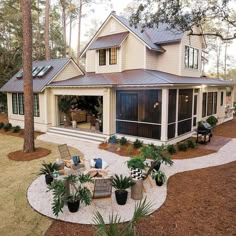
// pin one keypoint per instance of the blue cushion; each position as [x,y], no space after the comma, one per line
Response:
[76,160]
[98,163]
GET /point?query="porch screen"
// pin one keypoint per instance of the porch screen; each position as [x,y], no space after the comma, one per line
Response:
[185,111]
[138,113]
[172,113]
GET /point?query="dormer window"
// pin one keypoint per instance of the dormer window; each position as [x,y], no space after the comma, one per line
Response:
[113,56]
[102,57]
[191,57]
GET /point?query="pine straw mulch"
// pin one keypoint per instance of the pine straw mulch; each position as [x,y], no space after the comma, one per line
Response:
[28,156]
[199,202]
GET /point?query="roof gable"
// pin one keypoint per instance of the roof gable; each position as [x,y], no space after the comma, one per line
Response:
[16,84]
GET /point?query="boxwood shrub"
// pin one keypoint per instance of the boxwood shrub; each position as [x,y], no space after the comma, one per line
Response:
[182,146]
[7,127]
[16,129]
[123,141]
[138,143]
[171,149]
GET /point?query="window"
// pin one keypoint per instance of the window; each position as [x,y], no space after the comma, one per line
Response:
[222,98]
[215,103]
[21,103]
[14,103]
[113,56]
[210,104]
[36,105]
[18,104]
[204,103]
[191,57]
[102,57]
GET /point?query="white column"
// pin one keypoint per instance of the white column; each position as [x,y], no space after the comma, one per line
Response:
[106,111]
[164,114]
[177,113]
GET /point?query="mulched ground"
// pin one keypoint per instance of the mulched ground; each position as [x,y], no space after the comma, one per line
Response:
[24,156]
[226,130]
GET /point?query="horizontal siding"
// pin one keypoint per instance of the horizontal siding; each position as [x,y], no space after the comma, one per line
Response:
[71,70]
[90,60]
[195,42]
[169,60]
[134,53]
[151,59]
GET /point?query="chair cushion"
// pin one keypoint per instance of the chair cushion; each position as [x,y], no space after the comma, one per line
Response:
[98,163]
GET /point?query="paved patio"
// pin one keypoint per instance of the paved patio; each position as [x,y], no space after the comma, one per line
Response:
[39,199]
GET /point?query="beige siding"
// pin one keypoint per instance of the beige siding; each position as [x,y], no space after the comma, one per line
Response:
[169,60]
[195,42]
[151,59]
[112,27]
[134,53]
[90,60]
[68,72]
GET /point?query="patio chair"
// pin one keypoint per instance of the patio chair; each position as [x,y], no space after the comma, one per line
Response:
[64,152]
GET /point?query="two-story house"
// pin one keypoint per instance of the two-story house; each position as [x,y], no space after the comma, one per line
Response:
[149,83]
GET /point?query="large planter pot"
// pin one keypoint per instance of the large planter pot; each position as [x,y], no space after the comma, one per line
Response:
[48,179]
[136,173]
[137,190]
[73,206]
[121,196]
[159,183]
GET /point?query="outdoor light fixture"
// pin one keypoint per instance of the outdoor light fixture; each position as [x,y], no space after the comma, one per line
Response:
[155,105]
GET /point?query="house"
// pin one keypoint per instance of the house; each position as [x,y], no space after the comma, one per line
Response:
[147,85]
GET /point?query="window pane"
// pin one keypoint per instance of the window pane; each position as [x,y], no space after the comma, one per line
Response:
[195,121]
[185,104]
[186,56]
[129,128]
[215,102]
[195,105]
[172,106]
[113,56]
[102,57]
[36,105]
[195,58]
[204,104]
[191,57]
[184,126]
[222,98]
[210,104]
[14,103]
[171,131]
[127,106]
[21,103]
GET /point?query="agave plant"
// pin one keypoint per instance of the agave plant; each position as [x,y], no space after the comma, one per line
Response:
[48,169]
[122,183]
[142,209]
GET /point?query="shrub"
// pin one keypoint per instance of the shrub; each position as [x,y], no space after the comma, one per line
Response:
[212,120]
[137,143]
[1,125]
[113,139]
[191,143]
[7,127]
[16,129]
[171,149]
[123,141]
[182,146]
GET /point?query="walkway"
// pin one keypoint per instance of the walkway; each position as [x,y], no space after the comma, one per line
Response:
[40,200]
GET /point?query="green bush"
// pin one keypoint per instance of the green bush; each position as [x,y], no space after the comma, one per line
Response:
[191,143]
[123,141]
[7,127]
[234,108]
[212,120]
[16,129]
[182,146]
[1,125]
[171,149]
[137,143]
[113,139]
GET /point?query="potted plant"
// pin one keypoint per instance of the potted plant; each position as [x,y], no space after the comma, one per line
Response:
[136,165]
[121,183]
[73,195]
[159,177]
[48,170]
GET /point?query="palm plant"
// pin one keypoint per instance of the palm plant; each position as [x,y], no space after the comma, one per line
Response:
[48,169]
[76,194]
[142,209]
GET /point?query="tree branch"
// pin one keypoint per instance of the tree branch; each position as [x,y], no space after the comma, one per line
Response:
[213,34]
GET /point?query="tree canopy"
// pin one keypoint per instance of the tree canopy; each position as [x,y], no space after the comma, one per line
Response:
[185,15]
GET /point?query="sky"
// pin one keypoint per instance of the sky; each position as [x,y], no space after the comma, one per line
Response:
[101,13]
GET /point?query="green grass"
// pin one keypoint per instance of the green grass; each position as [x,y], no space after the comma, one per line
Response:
[17,217]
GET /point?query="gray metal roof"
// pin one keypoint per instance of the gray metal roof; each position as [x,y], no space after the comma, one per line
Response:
[16,85]
[109,41]
[137,78]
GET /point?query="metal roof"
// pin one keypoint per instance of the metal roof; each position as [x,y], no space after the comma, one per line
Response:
[137,78]
[16,85]
[109,41]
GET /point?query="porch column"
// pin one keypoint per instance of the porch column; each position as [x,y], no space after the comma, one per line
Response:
[54,110]
[106,111]
[164,115]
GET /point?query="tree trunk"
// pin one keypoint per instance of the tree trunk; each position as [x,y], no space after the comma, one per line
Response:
[64,27]
[47,50]
[79,30]
[27,77]
[70,50]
